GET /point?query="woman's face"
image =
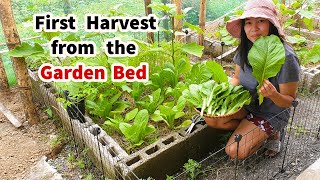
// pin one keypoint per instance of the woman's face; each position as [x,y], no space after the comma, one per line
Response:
[256,27]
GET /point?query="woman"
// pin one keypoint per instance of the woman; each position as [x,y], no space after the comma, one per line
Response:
[265,121]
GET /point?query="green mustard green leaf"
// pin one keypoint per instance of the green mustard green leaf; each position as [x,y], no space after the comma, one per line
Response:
[26,50]
[140,129]
[193,48]
[216,99]
[130,115]
[266,58]
[218,73]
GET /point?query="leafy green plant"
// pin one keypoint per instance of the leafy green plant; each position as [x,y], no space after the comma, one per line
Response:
[298,12]
[176,92]
[49,112]
[71,157]
[151,102]
[106,104]
[204,71]
[169,75]
[89,177]
[169,177]
[309,56]
[60,139]
[170,11]
[266,58]
[170,111]
[223,36]
[140,129]
[193,168]
[80,164]
[217,99]
[115,122]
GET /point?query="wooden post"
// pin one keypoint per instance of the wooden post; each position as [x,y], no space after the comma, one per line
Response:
[202,20]
[4,86]
[19,64]
[178,22]
[148,10]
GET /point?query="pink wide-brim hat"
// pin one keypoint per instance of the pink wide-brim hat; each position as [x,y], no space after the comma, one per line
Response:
[255,8]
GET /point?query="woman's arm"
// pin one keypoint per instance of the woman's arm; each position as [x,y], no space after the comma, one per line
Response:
[283,98]
[235,79]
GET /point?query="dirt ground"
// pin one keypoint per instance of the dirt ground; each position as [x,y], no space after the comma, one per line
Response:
[21,147]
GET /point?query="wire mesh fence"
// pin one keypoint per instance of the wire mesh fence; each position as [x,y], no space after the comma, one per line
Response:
[299,149]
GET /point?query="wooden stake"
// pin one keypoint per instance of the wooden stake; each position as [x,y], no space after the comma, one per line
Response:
[202,20]
[10,116]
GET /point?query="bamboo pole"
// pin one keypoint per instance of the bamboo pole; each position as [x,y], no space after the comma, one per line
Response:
[19,64]
[202,21]
[178,22]
[148,10]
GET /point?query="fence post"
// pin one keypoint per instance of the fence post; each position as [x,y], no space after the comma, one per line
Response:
[294,104]
[96,132]
[237,139]
[222,45]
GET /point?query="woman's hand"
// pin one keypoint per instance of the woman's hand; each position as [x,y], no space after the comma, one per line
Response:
[268,90]
[235,79]
[284,97]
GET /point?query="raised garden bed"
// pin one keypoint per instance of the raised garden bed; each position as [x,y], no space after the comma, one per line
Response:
[168,153]
[161,158]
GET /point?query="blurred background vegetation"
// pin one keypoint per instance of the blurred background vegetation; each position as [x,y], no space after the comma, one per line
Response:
[25,9]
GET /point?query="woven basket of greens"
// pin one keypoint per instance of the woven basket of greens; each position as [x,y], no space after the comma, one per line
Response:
[218,101]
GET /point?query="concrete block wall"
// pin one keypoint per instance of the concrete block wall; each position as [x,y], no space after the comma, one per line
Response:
[310,77]
[212,47]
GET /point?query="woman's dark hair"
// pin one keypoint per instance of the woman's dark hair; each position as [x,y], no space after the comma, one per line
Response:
[245,44]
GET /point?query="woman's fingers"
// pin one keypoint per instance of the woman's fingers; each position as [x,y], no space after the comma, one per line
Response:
[267,89]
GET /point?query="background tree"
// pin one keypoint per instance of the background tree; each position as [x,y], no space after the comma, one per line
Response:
[19,64]
[202,20]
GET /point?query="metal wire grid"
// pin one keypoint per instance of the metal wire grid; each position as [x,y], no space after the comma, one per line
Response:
[82,138]
[300,147]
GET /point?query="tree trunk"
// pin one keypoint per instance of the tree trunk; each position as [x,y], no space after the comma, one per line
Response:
[202,20]
[19,64]
[283,2]
[150,35]
[4,86]
[178,22]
